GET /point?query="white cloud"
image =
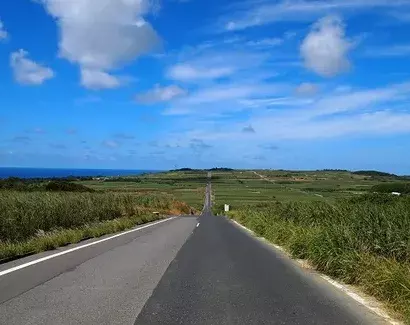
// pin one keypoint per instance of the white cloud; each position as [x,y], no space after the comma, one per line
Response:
[307,89]
[215,64]
[110,144]
[364,112]
[325,48]
[100,35]
[393,50]
[255,13]
[28,72]
[402,16]
[160,94]
[265,42]
[3,33]
[98,79]
[187,72]
[222,98]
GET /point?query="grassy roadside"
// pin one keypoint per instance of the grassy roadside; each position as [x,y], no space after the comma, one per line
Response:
[364,241]
[62,237]
[32,222]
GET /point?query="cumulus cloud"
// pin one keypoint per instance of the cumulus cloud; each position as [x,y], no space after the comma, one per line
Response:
[28,72]
[160,94]
[3,33]
[325,48]
[100,35]
[307,89]
[98,79]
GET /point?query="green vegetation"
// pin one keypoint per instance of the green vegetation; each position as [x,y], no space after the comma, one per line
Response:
[66,187]
[60,237]
[55,185]
[25,215]
[403,188]
[41,214]
[332,219]
[187,186]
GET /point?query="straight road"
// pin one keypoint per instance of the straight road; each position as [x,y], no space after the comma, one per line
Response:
[186,270]
[107,283]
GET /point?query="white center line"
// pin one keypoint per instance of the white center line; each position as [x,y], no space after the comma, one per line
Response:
[197,225]
[22,266]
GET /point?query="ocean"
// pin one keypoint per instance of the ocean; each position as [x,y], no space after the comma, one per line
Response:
[60,172]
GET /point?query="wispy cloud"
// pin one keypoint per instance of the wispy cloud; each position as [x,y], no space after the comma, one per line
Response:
[160,94]
[87,100]
[251,13]
[58,146]
[216,63]
[189,72]
[307,89]
[360,112]
[389,51]
[199,144]
[111,144]
[124,136]
[3,33]
[37,130]
[222,98]
[71,131]
[21,139]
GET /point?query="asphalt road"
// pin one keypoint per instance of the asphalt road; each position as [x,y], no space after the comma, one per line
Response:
[174,272]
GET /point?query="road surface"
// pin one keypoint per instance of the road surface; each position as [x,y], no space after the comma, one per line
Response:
[186,270]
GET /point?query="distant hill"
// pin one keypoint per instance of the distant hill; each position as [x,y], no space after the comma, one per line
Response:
[222,169]
[373,173]
[183,170]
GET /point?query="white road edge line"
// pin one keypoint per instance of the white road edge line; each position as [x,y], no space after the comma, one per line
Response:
[355,296]
[22,266]
[197,225]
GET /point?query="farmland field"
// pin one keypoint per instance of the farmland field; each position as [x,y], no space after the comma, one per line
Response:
[188,187]
[239,188]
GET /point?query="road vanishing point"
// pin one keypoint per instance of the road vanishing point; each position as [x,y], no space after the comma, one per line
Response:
[181,270]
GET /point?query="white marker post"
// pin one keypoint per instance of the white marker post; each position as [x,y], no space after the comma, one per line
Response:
[226,207]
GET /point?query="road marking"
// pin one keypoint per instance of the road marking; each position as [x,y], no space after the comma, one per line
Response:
[197,225]
[355,296]
[22,266]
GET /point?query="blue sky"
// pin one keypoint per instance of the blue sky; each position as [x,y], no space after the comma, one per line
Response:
[158,84]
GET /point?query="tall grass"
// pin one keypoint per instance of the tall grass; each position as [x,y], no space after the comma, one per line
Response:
[24,214]
[363,241]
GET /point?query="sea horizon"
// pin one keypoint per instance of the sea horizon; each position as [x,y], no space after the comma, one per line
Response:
[33,172]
